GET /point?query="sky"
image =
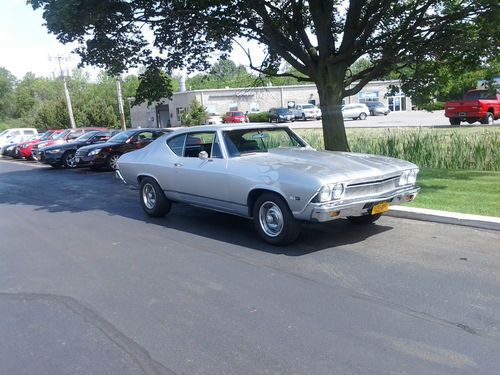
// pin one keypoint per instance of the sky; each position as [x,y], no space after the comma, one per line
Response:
[26,45]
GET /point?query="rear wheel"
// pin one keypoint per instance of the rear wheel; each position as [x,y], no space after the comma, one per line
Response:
[153,199]
[111,162]
[362,116]
[69,160]
[488,119]
[274,221]
[365,219]
[454,121]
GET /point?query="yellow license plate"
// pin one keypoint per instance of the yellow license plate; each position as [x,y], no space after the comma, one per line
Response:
[380,207]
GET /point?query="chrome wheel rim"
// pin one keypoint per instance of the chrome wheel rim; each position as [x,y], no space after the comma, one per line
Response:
[112,161]
[149,196]
[271,219]
[70,161]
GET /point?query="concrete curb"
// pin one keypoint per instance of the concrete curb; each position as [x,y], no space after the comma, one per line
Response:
[424,214]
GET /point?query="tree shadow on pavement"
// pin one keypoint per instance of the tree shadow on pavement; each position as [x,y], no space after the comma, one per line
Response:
[84,190]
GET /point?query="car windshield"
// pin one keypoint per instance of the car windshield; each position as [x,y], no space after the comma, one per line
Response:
[308,106]
[61,135]
[237,114]
[86,136]
[45,136]
[479,94]
[122,137]
[283,111]
[244,141]
[4,132]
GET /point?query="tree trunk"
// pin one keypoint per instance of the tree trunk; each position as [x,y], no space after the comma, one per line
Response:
[330,89]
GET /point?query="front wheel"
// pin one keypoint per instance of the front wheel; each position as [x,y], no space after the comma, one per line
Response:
[153,199]
[69,160]
[364,219]
[362,116]
[274,221]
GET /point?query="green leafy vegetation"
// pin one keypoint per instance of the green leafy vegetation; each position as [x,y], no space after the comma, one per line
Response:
[258,117]
[195,114]
[39,101]
[468,148]
[472,192]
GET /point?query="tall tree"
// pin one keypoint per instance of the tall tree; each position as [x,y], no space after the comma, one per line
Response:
[7,84]
[321,39]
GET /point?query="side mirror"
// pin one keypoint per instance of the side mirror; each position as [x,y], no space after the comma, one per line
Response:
[203,155]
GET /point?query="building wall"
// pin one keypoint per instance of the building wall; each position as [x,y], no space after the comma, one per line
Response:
[257,99]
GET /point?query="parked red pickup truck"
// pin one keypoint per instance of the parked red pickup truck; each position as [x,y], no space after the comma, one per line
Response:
[477,105]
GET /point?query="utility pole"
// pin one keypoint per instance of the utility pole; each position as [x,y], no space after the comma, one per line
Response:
[66,91]
[120,102]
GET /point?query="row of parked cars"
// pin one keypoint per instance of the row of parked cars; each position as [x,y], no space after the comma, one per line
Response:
[304,112]
[81,147]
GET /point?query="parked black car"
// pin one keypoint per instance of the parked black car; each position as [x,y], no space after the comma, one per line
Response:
[11,150]
[281,115]
[106,154]
[64,154]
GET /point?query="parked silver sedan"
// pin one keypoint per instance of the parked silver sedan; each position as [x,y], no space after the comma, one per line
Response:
[266,173]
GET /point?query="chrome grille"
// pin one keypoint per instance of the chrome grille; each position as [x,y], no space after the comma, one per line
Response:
[366,189]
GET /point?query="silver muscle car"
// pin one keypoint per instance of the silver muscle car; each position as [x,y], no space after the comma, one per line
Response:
[267,173]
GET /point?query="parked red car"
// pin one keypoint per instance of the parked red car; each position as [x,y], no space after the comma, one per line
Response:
[477,105]
[234,117]
[25,147]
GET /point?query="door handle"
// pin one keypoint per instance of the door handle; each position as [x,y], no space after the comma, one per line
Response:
[177,164]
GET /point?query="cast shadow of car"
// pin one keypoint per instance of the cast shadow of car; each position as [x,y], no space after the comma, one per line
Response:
[83,190]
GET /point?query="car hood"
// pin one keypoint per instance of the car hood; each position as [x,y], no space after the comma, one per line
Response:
[100,145]
[332,166]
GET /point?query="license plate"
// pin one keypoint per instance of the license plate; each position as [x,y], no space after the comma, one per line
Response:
[380,207]
[463,114]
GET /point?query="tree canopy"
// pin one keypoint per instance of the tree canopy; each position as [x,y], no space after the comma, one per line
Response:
[319,39]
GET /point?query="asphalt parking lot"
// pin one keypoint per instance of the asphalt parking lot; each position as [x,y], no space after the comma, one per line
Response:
[89,285]
[394,120]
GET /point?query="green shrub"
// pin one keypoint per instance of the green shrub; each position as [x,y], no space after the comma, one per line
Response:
[436,106]
[258,117]
[195,114]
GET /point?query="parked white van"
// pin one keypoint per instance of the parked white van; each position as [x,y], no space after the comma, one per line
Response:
[16,135]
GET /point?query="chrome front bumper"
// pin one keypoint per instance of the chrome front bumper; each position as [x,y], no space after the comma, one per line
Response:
[320,212]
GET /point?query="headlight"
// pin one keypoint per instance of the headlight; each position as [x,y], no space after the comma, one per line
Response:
[329,192]
[94,152]
[403,179]
[338,191]
[54,151]
[412,176]
[325,193]
[408,177]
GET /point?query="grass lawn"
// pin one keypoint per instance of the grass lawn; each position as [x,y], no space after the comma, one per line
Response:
[471,192]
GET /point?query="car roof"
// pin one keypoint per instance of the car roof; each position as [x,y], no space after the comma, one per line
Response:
[216,127]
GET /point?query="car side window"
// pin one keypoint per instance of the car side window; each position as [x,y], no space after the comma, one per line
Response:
[198,142]
[216,151]
[176,144]
[145,136]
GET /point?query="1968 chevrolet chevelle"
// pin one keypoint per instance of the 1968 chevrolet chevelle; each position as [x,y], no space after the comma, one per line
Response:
[267,173]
